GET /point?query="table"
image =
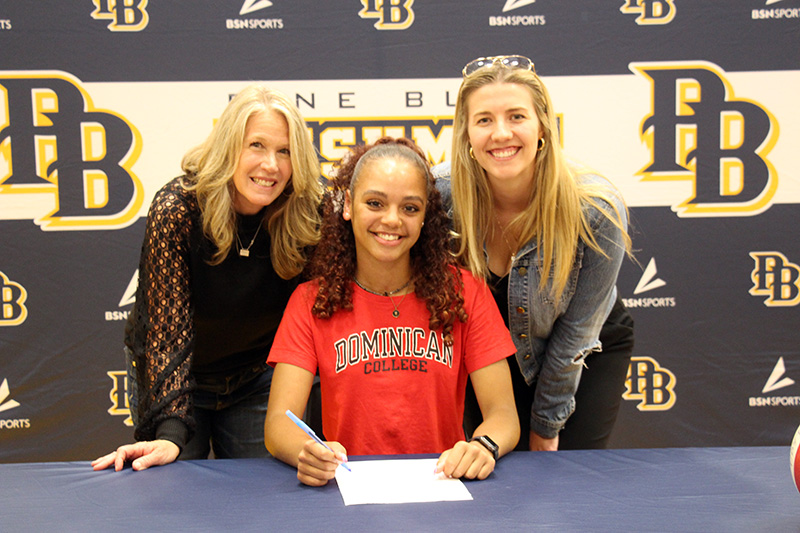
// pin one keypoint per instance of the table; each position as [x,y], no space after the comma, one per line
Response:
[679,489]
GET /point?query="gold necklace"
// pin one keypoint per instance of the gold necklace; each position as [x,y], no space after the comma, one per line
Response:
[245,252]
[396,312]
[511,249]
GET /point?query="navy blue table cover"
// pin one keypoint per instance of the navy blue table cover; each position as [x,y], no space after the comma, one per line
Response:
[680,489]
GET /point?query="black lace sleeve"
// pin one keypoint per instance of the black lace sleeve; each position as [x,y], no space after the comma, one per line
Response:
[160,332]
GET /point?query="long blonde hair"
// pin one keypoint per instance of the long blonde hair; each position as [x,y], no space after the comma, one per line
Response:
[555,217]
[293,218]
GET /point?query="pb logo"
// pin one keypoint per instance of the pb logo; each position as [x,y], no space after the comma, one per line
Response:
[119,396]
[391,14]
[775,277]
[650,11]
[650,384]
[12,302]
[125,15]
[75,158]
[698,132]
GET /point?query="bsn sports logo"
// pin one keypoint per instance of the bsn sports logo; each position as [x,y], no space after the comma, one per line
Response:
[650,12]
[698,131]
[517,20]
[775,277]
[777,380]
[12,302]
[7,404]
[652,385]
[125,15]
[649,282]
[516,4]
[118,395]
[128,297]
[55,143]
[250,6]
[391,14]
[775,13]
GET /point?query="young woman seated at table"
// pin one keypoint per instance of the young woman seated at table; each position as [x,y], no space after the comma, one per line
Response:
[394,329]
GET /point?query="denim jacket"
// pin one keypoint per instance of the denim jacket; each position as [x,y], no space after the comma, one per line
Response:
[553,338]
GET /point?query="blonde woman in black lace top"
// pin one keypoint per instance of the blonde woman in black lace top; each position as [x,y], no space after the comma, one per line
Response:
[222,248]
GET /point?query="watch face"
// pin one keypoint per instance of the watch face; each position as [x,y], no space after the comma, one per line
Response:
[489,444]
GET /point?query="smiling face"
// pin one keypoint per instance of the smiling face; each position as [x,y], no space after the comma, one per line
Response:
[503,131]
[387,209]
[265,165]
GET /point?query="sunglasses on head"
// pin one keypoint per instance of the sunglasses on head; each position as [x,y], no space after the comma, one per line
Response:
[512,62]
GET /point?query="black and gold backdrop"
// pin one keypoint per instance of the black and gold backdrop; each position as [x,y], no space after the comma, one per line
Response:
[690,107]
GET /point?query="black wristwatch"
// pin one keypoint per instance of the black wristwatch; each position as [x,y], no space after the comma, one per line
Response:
[488,444]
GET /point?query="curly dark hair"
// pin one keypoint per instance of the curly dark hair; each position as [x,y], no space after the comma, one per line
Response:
[436,278]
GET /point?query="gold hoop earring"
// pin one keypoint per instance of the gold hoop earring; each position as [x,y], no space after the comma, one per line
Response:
[471,153]
[540,144]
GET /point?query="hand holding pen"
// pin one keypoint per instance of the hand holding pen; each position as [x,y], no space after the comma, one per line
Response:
[341,458]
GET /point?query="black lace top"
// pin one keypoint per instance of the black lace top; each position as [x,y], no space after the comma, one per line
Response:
[194,319]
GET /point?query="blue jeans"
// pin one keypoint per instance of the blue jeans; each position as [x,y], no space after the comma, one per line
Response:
[230,413]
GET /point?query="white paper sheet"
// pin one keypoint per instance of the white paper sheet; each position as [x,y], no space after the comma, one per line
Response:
[397,481]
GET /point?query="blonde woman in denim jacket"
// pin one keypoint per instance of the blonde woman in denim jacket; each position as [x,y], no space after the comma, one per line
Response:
[549,238]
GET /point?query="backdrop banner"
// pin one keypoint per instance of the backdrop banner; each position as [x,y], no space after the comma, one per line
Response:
[690,108]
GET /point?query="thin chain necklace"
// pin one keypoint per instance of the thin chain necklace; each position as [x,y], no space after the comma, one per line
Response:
[503,235]
[245,252]
[396,312]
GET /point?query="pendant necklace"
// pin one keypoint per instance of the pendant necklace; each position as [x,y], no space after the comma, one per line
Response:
[503,235]
[245,252]
[396,312]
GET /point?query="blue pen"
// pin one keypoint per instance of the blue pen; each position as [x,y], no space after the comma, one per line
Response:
[310,432]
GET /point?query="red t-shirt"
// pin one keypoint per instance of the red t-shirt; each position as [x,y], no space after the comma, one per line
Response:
[389,385]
